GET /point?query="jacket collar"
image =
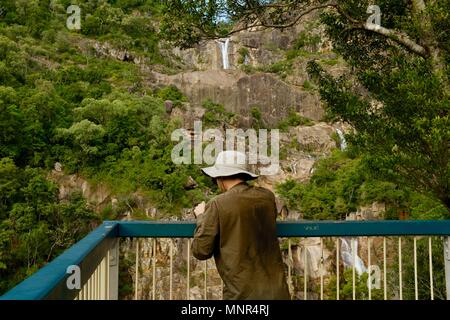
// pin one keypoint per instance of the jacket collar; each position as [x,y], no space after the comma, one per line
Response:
[238,186]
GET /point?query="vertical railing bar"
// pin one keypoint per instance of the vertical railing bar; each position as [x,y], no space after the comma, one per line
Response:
[107,274]
[171,271]
[289,267]
[90,288]
[188,284]
[321,268]
[353,268]
[94,283]
[206,279]
[98,282]
[136,279]
[97,287]
[369,268]
[305,273]
[430,259]
[100,275]
[114,269]
[154,270]
[337,268]
[446,240]
[400,280]
[103,284]
[93,286]
[107,277]
[384,269]
[416,289]
[101,280]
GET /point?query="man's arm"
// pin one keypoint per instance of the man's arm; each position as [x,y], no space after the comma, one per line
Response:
[206,233]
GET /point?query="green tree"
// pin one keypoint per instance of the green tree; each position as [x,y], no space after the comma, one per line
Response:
[35,226]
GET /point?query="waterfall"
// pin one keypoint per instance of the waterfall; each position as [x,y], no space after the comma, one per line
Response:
[342,140]
[224,50]
[347,255]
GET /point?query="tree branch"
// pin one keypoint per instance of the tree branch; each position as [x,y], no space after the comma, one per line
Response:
[298,17]
[261,23]
[398,37]
[395,35]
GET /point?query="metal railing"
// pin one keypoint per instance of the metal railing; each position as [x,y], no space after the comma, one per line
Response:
[89,270]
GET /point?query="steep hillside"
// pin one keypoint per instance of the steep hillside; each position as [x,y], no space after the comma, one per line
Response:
[86,118]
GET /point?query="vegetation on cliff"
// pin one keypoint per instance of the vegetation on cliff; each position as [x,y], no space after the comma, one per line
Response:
[63,99]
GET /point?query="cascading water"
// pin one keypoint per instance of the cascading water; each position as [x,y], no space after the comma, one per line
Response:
[223,44]
[347,255]
[342,140]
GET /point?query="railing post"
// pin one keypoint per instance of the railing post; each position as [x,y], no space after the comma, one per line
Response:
[114,271]
[447,265]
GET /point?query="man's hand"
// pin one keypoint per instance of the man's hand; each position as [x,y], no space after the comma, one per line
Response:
[199,209]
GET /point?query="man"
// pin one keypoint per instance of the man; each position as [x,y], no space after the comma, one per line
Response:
[238,228]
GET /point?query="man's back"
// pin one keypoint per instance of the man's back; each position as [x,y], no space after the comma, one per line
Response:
[239,229]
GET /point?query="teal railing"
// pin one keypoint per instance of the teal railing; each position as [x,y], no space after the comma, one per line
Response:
[97,255]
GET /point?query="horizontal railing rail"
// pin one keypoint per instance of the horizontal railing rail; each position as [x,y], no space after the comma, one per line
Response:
[151,229]
[50,281]
[97,254]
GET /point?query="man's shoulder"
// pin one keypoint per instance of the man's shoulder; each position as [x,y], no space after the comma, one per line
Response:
[220,198]
[265,191]
[233,194]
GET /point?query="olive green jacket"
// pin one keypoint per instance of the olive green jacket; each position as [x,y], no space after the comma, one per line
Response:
[238,228]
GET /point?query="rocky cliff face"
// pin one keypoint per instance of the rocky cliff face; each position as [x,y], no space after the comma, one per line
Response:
[205,77]
[239,93]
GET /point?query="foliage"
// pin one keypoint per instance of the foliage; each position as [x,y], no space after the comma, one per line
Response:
[243,54]
[340,184]
[172,93]
[35,225]
[403,125]
[423,273]
[346,287]
[60,101]
[216,115]
[293,120]
[257,120]
[306,40]
[186,22]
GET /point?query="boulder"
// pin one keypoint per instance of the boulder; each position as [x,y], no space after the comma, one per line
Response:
[315,138]
[239,93]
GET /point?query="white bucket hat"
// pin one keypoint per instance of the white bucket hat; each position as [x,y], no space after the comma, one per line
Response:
[229,163]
